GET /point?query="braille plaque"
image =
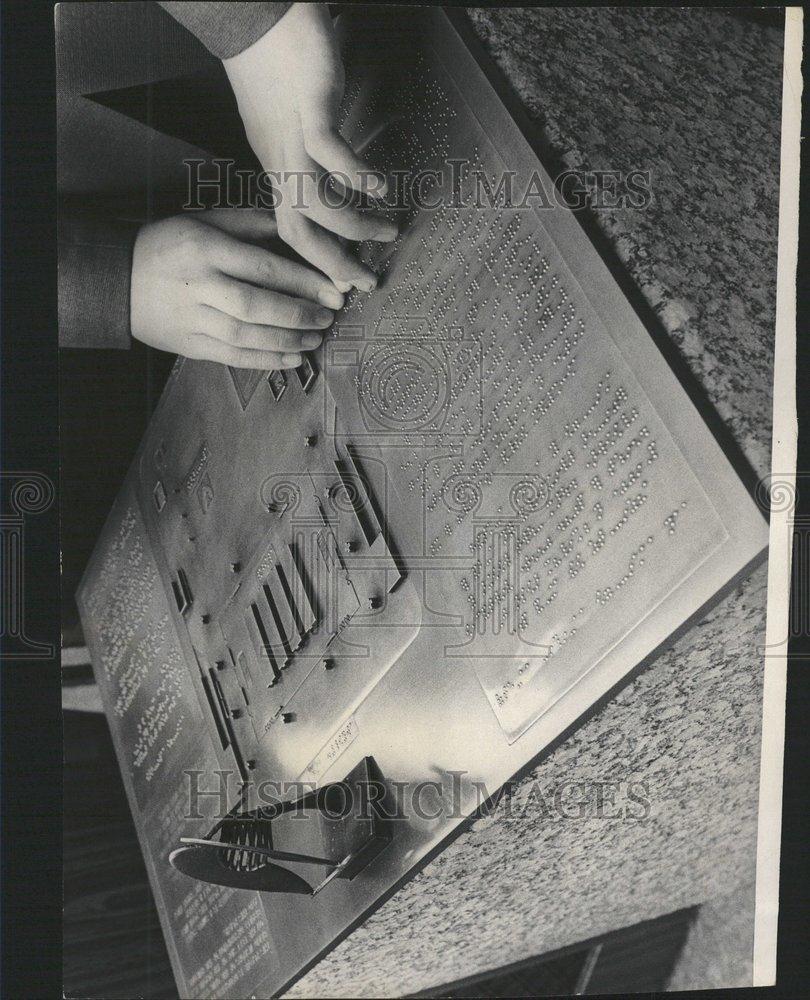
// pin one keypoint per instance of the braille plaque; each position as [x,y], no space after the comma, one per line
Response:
[464,521]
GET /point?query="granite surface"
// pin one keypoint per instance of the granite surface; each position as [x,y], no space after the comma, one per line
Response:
[694,97]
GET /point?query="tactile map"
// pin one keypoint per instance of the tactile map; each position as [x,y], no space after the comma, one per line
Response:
[459,525]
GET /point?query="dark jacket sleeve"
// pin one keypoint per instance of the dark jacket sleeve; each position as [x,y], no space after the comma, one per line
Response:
[94,268]
[226,29]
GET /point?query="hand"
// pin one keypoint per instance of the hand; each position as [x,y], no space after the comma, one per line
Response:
[289,85]
[203,288]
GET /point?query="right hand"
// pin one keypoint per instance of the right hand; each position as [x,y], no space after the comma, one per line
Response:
[202,287]
[289,85]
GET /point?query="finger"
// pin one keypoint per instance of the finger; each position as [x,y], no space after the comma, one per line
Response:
[248,223]
[325,251]
[308,191]
[260,305]
[206,348]
[254,337]
[329,210]
[327,147]
[261,267]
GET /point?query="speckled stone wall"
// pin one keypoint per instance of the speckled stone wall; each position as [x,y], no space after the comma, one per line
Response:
[693,96]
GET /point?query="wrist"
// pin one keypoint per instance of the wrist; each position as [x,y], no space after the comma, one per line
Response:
[136,288]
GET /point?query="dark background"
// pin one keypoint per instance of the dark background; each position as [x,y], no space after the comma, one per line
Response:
[31,740]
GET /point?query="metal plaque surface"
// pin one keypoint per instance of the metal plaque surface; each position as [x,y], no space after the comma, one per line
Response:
[484,502]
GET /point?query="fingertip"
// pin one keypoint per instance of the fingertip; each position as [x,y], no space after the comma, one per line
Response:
[291,360]
[367,283]
[311,340]
[387,232]
[332,297]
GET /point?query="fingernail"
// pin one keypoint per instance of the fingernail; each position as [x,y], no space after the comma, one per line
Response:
[331,297]
[387,232]
[324,317]
[343,286]
[366,284]
[310,340]
[291,360]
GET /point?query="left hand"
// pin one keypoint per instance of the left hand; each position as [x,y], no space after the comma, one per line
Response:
[205,286]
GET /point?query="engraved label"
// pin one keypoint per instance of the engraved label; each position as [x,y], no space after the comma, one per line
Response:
[266,563]
[241,944]
[342,739]
[139,665]
[197,469]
